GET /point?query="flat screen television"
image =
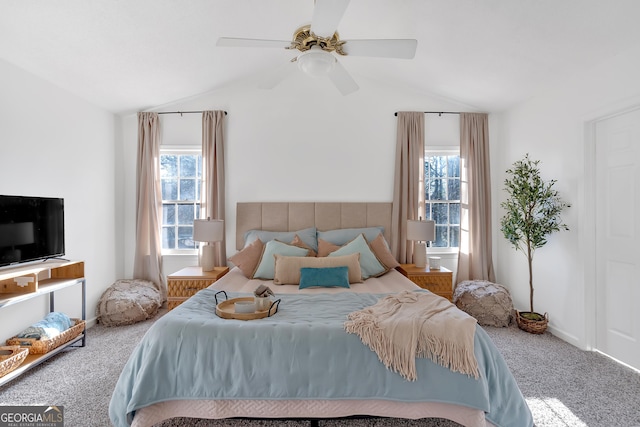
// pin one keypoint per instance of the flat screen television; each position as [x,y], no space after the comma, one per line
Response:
[31,228]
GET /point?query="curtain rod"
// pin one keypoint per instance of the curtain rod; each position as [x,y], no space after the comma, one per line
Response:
[435,112]
[184,112]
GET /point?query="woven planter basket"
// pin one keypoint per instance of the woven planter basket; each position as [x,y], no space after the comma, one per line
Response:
[11,357]
[44,346]
[532,326]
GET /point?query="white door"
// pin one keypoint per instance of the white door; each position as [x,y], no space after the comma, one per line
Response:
[618,237]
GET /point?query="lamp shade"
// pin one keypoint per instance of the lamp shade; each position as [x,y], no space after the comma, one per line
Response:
[424,231]
[316,62]
[420,231]
[208,230]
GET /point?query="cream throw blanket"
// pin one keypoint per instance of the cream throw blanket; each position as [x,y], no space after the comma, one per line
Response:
[401,327]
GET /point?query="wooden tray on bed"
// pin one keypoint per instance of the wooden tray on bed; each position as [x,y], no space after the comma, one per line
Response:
[226,309]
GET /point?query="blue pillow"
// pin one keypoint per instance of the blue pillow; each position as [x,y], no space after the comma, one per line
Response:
[344,235]
[369,263]
[266,265]
[307,235]
[325,277]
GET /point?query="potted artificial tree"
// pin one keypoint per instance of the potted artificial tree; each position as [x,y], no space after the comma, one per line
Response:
[532,212]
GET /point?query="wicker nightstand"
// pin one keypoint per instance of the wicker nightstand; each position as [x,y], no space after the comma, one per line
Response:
[439,282]
[185,283]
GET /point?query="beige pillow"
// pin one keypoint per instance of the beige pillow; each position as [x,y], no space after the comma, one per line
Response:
[381,250]
[325,248]
[287,268]
[247,259]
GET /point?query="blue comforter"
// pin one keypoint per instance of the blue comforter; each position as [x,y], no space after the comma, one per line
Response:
[302,352]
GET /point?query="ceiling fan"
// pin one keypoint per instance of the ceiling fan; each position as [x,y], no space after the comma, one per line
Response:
[319,44]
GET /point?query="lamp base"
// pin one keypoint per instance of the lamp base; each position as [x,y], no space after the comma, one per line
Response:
[420,254]
[207,262]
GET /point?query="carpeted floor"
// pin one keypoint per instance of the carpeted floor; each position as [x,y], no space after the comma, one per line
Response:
[563,385]
[362,422]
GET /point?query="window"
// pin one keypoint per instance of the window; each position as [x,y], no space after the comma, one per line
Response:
[181,177]
[442,196]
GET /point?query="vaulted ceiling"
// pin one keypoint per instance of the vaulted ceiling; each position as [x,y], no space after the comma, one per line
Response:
[127,55]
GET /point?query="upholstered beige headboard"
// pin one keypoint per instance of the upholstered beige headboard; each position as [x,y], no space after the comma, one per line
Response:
[292,216]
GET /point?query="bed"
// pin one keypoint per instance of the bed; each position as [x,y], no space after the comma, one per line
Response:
[301,363]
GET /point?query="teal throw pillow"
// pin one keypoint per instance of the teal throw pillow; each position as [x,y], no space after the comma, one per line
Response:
[325,277]
[369,263]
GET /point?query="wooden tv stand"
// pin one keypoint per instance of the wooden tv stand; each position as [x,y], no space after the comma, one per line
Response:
[41,278]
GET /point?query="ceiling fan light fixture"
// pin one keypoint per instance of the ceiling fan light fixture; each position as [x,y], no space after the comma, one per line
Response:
[316,62]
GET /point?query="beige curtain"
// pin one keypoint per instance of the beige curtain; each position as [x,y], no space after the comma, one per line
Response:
[409,174]
[212,193]
[475,258]
[148,253]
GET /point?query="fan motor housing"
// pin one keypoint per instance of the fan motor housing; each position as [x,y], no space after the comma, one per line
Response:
[304,39]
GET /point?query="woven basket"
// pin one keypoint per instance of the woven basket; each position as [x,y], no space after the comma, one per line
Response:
[36,346]
[14,357]
[532,326]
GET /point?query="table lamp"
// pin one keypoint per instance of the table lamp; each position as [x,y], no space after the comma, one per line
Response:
[209,231]
[420,232]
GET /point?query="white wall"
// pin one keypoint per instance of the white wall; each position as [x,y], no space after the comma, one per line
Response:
[55,144]
[301,141]
[550,127]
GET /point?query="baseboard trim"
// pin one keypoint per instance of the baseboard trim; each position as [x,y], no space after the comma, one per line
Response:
[91,322]
[571,339]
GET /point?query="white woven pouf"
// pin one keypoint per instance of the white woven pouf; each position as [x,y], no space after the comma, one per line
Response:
[488,302]
[127,302]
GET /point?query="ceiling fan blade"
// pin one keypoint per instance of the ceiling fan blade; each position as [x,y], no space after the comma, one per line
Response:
[383,48]
[234,42]
[343,80]
[273,78]
[327,15]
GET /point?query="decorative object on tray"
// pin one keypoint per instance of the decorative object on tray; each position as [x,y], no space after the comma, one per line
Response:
[488,302]
[44,336]
[262,297]
[533,211]
[228,309]
[11,357]
[128,301]
[242,306]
